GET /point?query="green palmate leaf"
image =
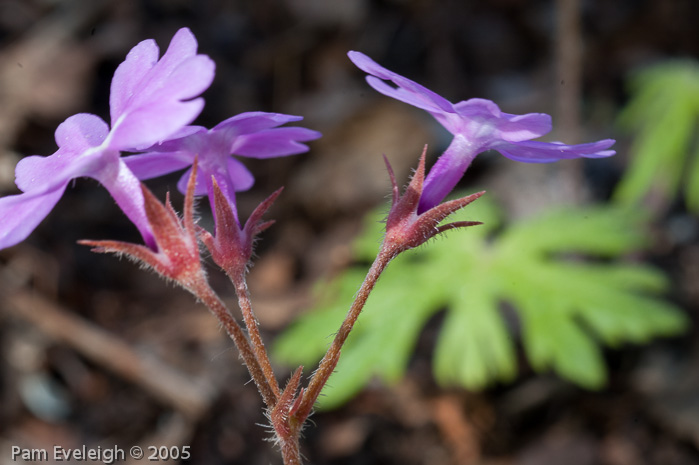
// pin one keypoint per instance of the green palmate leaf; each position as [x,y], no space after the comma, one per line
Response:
[664,115]
[473,326]
[560,272]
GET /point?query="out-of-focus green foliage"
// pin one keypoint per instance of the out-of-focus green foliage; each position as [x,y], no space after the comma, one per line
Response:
[664,115]
[567,305]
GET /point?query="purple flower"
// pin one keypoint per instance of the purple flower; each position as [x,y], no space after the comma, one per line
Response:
[150,99]
[254,134]
[477,125]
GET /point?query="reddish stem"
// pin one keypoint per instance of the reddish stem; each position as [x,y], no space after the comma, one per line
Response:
[288,424]
[332,356]
[204,292]
[258,347]
[291,453]
[286,430]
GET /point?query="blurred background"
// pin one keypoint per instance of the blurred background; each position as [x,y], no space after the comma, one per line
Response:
[95,351]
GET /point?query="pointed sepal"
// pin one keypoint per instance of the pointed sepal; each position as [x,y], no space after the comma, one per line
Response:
[177,255]
[395,192]
[405,229]
[231,247]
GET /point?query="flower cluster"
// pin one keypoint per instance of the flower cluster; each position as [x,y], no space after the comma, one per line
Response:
[152,102]
[254,134]
[477,125]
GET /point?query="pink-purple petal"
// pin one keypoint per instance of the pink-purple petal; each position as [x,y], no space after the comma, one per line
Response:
[129,74]
[408,91]
[75,136]
[149,109]
[154,164]
[246,123]
[200,183]
[369,66]
[277,142]
[192,77]
[399,93]
[152,124]
[204,186]
[125,188]
[241,179]
[189,138]
[148,73]
[506,126]
[21,214]
[183,45]
[516,128]
[81,132]
[546,152]
[424,94]
[446,172]
[232,177]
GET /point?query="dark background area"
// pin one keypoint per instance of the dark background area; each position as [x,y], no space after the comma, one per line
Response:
[82,334]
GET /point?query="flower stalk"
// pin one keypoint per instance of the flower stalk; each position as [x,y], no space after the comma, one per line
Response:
[332,356]
[405,229]
[177,258]
[231,249]
[247,350]
[252,325]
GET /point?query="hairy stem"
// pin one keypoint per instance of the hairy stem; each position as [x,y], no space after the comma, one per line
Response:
[288,432]
[241,290]
[291,454]
[204,292]
[332,356]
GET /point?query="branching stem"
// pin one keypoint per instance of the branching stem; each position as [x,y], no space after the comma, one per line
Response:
[207,295]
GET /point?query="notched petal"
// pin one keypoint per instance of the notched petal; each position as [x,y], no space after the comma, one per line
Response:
[150,101]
